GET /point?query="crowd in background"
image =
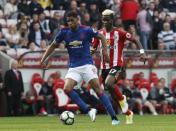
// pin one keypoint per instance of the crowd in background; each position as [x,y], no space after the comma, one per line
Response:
[31,24]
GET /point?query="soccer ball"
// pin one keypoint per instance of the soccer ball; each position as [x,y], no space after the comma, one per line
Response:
[67,117]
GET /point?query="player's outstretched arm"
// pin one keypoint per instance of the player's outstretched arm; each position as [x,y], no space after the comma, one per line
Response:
[141,50]
[48,51]
[104,50]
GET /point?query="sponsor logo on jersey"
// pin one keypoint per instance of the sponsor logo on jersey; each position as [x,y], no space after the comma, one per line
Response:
[75,43]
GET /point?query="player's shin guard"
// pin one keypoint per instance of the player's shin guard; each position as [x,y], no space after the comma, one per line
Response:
[76,98]
[107,104]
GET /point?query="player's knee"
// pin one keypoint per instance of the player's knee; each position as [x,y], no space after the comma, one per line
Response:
[67,89]
[98,89]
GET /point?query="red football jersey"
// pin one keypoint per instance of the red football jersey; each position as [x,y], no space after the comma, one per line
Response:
[115,43]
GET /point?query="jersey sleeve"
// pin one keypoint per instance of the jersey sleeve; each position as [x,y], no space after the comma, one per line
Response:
[126,36]
[59,37]
[95,42]
[92,32]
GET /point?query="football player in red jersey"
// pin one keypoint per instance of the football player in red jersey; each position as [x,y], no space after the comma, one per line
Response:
[112,70]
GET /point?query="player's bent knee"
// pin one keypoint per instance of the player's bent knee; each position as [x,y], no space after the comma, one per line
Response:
[67,89]
[98,90]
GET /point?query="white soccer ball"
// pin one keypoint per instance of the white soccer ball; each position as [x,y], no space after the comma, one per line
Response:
[67,117]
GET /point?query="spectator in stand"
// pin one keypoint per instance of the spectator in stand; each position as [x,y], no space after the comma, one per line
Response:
[118,23]
[157,27]
[23,43]
[129,10]
[167,37]
[156,96]
[23,31]
[14,89]
[59,4]
[158,5]
[134,97]
[94,13]
[35,18]
[83,10]
[47,91]
[116,7]
[12,37]
[3,23]
[35,7]
[23,19]
[3,42]
[36,34]
[43,45]
[171,4]
[86,19]
[10,9]
[32,46]
[54,22]
[44,23]
[46,4]
[23,7]
[144,26]
[168,99]
[169,20]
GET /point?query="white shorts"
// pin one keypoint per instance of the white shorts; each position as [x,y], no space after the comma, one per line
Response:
[82,73]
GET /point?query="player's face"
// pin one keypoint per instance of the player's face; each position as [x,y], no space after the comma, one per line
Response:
[72,22]
[107,21]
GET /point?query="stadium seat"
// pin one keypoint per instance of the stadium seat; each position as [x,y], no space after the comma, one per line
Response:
[62,101]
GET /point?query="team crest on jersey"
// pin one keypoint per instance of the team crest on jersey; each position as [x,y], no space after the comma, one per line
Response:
[128,35]
[108,42]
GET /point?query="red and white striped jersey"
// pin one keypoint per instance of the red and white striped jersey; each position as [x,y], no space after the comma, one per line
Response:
[115,43]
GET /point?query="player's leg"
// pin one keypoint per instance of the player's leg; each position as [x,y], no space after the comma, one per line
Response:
[114,89]
[92,78]
[116,93]
[72,78]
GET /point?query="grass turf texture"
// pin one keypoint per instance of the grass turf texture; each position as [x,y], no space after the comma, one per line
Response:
[83,123]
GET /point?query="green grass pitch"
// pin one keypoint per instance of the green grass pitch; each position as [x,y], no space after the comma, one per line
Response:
[83,123]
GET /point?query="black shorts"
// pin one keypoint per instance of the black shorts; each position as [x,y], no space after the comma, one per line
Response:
[113,72]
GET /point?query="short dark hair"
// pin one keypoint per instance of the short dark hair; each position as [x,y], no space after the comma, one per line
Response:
[72,14]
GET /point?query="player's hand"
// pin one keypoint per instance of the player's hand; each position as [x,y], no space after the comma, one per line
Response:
[44,64]
[92,50]
[143,57]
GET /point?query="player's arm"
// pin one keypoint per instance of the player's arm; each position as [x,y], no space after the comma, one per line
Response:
[95,43]
[141,49]
[48,51]
[104,48]
[143,55]
[54,44]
